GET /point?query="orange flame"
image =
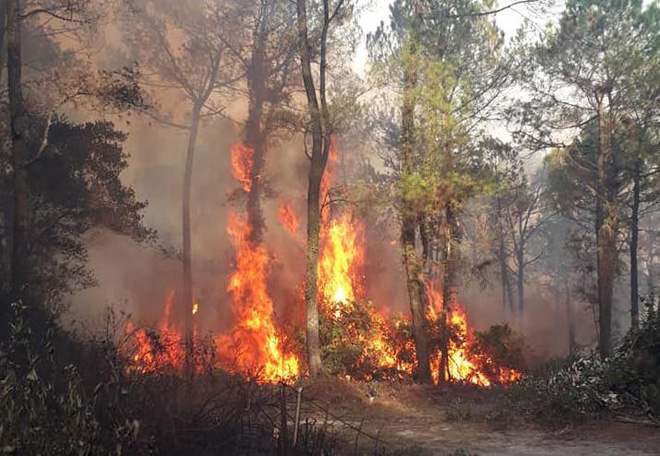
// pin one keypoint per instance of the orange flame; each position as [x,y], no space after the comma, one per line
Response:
[463,366]
[341,261]
[288,218]
[154,350]
[241,163]
[253,346]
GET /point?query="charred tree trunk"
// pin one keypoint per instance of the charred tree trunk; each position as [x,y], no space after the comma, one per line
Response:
[188,297]
[254,133]
[408,223]
[606,229]
[18,124]
[3,27]
[634,242]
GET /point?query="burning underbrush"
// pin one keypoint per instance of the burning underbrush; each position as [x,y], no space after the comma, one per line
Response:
[360,340]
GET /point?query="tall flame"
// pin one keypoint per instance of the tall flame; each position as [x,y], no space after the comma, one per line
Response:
[341,262]
[253,345]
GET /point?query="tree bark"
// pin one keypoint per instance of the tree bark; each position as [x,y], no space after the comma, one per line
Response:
[254,134]
[449,291]
[501,253]
[319,158]
[19,130]
[634,242]
[408,223]
[188,296]
[521,278]
[606,230]
[311,273]
[572,344]
[3,27]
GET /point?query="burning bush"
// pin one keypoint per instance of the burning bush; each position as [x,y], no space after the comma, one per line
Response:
[478,359]
[358,342]
[499,347]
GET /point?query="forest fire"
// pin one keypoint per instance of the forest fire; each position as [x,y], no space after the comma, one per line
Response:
[254,345]
[341,263]
[241,163]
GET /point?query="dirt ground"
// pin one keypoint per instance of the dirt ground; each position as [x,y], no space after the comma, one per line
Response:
[414,420]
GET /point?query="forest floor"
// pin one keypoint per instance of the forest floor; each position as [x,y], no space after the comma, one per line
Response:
[414,420]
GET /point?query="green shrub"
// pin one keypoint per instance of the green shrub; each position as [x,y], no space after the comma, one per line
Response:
[586,387]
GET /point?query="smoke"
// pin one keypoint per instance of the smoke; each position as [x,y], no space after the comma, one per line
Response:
[136,279]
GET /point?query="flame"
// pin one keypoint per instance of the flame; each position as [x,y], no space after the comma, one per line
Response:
[241,163]
[341,262]
[463,365]
[288,218]
[158,349]
[253,346]
[195,308]
[341,267]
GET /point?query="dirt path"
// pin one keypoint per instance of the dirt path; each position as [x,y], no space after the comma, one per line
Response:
[413,421]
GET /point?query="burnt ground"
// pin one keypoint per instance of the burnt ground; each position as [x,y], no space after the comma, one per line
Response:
[415,420]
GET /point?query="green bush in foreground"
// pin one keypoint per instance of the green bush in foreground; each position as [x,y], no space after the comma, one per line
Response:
[587,387]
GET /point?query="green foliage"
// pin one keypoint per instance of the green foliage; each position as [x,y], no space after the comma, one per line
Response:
[587,387]
[75,187]
[45,408]
[634,372]
[61,394]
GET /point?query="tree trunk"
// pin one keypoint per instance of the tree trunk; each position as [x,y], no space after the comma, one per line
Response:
[19,130]
[634,242]
[408,223]
[3,28]
[415,294]
[188,296]
[312,272]
[650,275]
[449,290]
[521,279]
[606,234]
[501,253]
[254,134]
[572,344]
[319,158]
